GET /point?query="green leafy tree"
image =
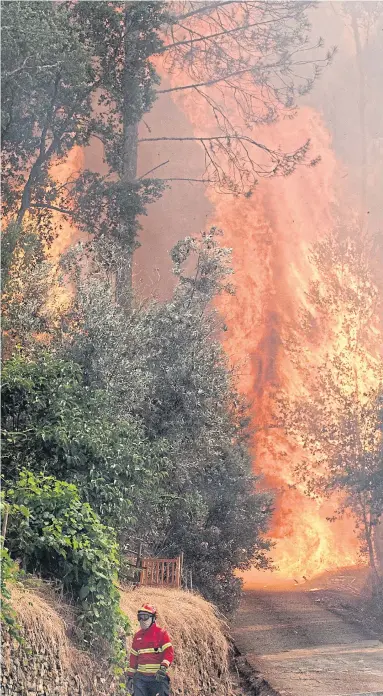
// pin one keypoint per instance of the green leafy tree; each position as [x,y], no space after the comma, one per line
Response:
[31,290]
[218,519]
[48,79]
[124,37]
[53,422]
[164,365]
[52,71]
[220,525]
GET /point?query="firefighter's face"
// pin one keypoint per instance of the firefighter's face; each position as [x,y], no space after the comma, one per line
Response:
[145,619]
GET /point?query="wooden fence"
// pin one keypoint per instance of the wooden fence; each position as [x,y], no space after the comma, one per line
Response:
[161,572]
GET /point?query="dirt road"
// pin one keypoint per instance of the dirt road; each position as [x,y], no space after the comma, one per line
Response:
[302,649]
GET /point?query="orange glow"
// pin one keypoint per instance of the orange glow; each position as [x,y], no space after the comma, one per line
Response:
[62,172]
[270,235]
[68,233]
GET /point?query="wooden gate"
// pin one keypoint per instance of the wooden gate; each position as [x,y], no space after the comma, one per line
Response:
[161,572]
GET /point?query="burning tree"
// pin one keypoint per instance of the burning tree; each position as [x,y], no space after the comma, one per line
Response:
[74,71]
[242,62]
[337,421]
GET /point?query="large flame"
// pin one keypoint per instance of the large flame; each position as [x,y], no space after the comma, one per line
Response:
[271,235]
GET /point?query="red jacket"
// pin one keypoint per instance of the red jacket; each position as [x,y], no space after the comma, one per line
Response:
[150,649]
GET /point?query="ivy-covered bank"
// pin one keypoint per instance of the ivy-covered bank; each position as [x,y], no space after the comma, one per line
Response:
[55,535]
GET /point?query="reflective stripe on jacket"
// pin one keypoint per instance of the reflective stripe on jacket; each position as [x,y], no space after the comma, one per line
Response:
[150,649]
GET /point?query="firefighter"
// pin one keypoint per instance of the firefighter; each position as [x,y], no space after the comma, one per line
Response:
[150,656]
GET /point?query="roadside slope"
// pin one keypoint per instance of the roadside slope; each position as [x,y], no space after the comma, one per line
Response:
[202,651]
[302,649]
[48,663]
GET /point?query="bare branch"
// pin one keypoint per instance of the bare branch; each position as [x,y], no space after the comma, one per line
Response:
[231,165]
[153,169]
[203,9]
[213,138]
[51,207]
[186,178]
[210,37]
[208,83]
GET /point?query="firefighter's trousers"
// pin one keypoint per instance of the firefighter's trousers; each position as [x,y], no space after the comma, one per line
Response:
[145,685]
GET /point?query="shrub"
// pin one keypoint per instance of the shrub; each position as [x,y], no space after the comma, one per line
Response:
[59,537]
[8,575]
[53,422]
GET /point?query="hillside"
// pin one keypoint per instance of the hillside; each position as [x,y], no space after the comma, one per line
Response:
[48,663]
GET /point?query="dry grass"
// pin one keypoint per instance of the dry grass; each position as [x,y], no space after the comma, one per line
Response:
[41,621]
[202,656]
[201,665]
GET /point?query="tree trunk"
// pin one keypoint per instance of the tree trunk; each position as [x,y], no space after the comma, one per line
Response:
[44,154]
[378,544]
[131,98]
[124,278]
[362,124]
[5,522]
[376,578]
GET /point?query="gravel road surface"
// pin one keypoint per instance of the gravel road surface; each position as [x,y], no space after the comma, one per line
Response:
[302,649]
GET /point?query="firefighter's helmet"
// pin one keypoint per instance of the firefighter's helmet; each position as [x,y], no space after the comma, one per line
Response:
[147,609]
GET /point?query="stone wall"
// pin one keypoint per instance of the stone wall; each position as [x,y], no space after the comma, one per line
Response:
[27,671]
[46,663]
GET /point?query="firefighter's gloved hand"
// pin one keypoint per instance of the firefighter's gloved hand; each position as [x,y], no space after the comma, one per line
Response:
[130,685]
[161,674]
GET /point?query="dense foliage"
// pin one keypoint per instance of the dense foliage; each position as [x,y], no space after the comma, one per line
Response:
[165,367]
[8,576]
[142,414]
[55,535]
[53,422]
